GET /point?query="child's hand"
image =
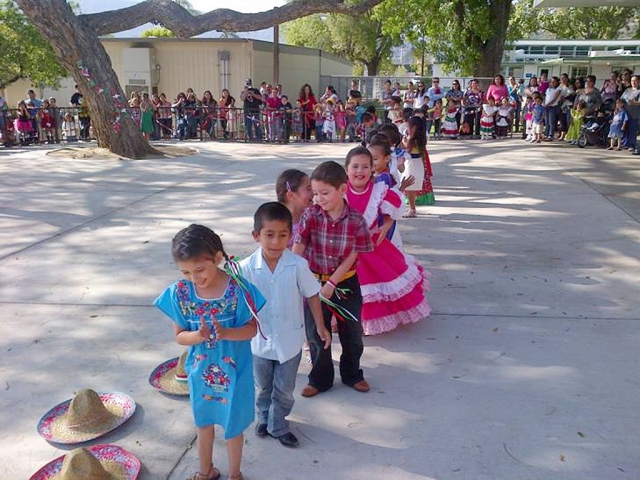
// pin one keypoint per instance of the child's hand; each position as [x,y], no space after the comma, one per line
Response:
[327,290]
[205,331]
[325,336]
[218,329]
[407,182]
[382,233]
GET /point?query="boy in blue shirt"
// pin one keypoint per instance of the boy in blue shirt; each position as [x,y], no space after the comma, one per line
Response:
[284,279]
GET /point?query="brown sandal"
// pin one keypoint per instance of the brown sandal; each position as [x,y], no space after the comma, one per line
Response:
[237,476]
[212,474]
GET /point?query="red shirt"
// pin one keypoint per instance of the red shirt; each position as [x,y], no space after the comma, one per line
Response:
[328,242]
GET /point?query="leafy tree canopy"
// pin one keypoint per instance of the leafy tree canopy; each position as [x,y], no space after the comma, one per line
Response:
[358,38]
[24,53]
[601,23]
[157,31]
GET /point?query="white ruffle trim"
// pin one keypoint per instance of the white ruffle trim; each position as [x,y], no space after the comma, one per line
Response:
[387,323]
[398,288]
[378,190]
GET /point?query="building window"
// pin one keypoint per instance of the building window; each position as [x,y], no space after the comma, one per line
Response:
[579,72]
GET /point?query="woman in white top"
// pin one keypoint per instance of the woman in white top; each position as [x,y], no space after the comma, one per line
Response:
[552,99]
[421,96]
[409,96]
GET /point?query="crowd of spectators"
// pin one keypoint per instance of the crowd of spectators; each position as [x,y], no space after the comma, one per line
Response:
[541,109]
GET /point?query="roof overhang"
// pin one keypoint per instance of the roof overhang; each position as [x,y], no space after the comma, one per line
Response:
[617,60]
[585,3]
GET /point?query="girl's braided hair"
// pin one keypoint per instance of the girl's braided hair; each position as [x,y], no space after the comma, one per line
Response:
[196,241]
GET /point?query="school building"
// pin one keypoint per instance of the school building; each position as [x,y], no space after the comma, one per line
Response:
[171,65]
[528,58]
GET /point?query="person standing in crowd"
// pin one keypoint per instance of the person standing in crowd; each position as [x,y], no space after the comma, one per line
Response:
[566,102]
[307,107]
[632,96]
[409,96]
[354,92]
[386,98]
[435,92]
[552,98]
[252,99]
[590,95]
[454,101]
[472,103]
[497,90]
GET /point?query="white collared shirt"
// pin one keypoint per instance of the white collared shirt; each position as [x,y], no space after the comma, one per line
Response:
[282,317]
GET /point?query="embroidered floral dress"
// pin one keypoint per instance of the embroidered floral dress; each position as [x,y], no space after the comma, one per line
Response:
[392,283]
[220,373]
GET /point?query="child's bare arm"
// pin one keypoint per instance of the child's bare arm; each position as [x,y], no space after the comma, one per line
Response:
[329,287]
[316,311]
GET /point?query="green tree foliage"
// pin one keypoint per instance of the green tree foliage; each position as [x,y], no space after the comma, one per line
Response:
[24,53]
[157,31]
[464,35]
[599,23]
[360,39]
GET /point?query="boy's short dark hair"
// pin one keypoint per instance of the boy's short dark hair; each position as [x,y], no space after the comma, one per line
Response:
[330,172]
[367,117]
[271,211]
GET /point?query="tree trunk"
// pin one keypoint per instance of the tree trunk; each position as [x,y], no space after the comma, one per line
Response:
[82,54]
[372,67]
[493,48]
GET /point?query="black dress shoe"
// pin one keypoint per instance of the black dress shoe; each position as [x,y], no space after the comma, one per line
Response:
[288,440]
[636,152]
[261,430]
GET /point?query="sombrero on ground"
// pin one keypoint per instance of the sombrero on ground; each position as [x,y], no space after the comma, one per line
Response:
[171,377]
[99,462]
[87,416]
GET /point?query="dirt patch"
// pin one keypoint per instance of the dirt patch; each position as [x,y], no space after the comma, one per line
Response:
[165,151]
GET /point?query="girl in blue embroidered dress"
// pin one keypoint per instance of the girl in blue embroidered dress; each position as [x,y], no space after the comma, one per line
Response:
[214,313]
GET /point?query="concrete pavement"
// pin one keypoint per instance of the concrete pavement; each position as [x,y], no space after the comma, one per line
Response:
[527,369]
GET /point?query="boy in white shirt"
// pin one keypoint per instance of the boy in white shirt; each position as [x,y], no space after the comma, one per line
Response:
[284,279]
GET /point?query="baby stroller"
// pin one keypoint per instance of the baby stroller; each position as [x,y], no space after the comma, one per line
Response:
[595,130]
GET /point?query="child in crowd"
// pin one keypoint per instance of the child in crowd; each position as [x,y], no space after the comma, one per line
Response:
[450,124]
[487,119]
[351,115]
[618,125]
[286,281]
[293,190]
[331,237]
[394,114]
[47,121]
[23,124]
[136,114]
[577,119]
[69,128]
[285,111]
[318,118]
[214,314]
[503,118]
[415,142]
[329,125]
[436,115]
[341,120]
[537,120]
[528,119]
[232,120]
[396,156]
[392,284]
[367,126]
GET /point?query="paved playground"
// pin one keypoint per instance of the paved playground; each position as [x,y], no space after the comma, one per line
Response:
[527,368]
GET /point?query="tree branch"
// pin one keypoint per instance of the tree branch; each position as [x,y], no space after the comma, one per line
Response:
[177,19]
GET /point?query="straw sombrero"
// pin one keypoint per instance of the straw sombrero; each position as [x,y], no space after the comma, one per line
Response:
[87,416]
[99,462]
[170,377]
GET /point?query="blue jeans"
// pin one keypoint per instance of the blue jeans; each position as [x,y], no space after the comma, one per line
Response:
[275,382]
[252,126]
[629,139]
[551,119]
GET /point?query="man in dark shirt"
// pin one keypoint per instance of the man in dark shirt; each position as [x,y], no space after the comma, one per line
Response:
[252,99]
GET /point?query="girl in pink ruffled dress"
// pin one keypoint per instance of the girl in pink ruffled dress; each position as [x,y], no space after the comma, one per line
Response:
[392,283]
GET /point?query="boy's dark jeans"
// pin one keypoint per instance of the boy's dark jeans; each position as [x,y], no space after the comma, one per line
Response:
[350,333]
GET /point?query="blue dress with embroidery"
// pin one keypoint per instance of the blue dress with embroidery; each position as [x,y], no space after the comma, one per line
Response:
[220,373]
